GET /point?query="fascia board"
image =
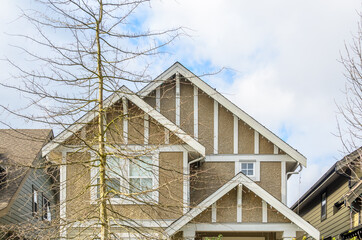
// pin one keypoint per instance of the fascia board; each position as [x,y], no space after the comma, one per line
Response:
[177,225]
[124,92]
[88,117]
[247,182]
[165,122]
[177,67]
[280,207]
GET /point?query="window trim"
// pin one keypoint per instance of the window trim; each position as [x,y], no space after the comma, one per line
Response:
[256,163]
[35,214]
[44,210]
[155,180]
[324,195]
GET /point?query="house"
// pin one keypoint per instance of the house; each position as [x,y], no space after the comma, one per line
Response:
[183,162]
[27,194]
[333,203]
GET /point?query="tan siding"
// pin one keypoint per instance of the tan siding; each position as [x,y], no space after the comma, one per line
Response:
[78,180]
[208,178]
[265,146]
[135,125]
[168,100]
[157,132]
[114,118]
[270,178]
[206,121]
[251,207]
[246,138]
[204,217]
[151,99]
[226,207]
[226,131]
[275,217]
[187,107]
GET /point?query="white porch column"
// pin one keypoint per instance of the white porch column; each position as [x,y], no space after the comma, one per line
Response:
[189,233]
[289,234]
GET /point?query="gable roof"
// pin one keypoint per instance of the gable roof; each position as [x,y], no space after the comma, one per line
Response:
[112,99]
[178,67]
[19,148]
[240,178]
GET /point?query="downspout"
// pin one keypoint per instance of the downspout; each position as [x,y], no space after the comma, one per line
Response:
[291,173]
[296,172]
[197,160]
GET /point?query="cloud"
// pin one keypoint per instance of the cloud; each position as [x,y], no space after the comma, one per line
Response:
[284,54]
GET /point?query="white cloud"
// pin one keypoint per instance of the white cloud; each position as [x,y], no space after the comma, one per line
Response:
[284,54]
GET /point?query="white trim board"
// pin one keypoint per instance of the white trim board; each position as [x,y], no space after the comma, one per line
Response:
[177,67]
[237,227]
[125,92]
[246,157]
[252,186]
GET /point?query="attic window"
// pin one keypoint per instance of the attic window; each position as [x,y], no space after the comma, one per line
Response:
[248,168]
[2,177]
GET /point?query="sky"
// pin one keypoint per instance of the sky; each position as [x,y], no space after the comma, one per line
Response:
[281,60]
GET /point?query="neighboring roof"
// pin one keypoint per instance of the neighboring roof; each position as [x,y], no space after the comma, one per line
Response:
[19,148]
[240,178]
[178,67]
[353,193]
[126,93]
[329,176]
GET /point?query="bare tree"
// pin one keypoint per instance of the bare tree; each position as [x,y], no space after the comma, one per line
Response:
[351,110]
[84,52]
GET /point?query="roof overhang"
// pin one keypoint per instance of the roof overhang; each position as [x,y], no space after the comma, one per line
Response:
[177,67]
[124,92]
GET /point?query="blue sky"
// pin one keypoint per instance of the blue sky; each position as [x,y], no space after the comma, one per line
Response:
[281,58]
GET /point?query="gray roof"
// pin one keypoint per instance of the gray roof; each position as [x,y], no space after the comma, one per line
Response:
[19,148]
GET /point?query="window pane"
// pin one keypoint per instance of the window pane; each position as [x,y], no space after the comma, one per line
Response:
[141,167]
[113,184]
[243,166]
[146,183]
[245,172]
[134,185]
[250,172]
[250,165]
[113,167]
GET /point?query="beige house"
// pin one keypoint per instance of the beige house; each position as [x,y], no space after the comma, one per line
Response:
[184,163]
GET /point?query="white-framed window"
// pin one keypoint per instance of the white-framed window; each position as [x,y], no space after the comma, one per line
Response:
[140,175]
[130,180]
[250,168]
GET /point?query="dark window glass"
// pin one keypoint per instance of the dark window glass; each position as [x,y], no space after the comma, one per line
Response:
[35,196]
[46,209]
[324,206]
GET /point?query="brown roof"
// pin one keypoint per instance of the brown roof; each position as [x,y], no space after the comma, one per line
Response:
[18,150]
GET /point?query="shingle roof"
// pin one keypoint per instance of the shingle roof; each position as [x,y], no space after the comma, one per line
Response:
[18,150]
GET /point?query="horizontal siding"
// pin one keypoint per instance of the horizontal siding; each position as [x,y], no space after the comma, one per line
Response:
[21,209]
[336,223]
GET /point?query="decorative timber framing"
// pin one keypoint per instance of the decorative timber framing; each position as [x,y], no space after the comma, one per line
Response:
[220,99]
[240,178]
[129,95]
